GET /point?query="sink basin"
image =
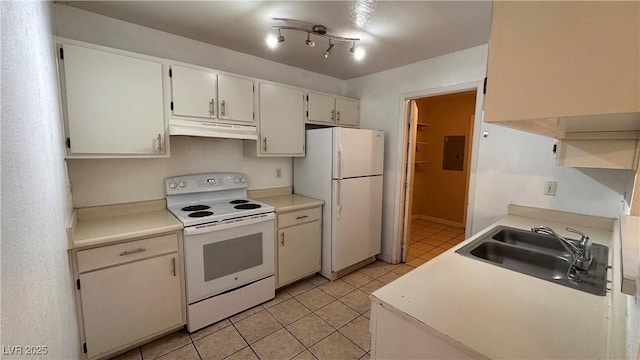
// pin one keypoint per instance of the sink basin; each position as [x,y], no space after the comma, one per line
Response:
[538,255]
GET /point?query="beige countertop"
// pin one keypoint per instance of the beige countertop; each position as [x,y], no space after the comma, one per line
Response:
[498,313]
[290,202]
[100,226]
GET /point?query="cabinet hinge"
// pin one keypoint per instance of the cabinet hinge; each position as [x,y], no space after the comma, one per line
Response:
[170,73]
[84,348]
[307,114]
[254,88]
[78,284]
[61,54]
[307,98]
[484,87]
[253,114]
[172,105]
[68,142]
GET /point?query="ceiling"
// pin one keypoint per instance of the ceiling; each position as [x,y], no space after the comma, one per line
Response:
[393,33]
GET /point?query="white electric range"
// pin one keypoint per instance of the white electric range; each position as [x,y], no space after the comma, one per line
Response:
[228,245]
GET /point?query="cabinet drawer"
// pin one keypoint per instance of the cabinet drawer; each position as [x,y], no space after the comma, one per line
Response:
[132,250]
[299,217]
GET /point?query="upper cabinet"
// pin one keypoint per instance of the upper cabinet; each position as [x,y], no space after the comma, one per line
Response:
[325,109]
[564,69]
[112,102]
[203,94]
[281,122]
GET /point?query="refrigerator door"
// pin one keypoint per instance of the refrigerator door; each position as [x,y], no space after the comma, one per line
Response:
[357,152]
[356,220]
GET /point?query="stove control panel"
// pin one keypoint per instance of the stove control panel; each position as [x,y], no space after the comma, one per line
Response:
[204,182]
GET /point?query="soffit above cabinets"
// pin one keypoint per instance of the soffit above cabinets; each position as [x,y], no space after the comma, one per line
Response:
[393,33]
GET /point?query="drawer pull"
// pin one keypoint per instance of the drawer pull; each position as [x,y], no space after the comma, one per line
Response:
[302,217]
[129,252]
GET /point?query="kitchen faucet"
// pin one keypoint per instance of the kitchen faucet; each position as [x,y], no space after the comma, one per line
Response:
[580,253]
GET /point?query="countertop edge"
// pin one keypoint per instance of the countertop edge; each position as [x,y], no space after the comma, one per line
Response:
[106,240]
[303,202]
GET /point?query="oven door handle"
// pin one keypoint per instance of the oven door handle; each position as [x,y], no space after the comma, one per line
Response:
[193,230]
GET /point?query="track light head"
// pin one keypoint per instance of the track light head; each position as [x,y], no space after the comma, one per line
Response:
[280,37]
[329,49]
[309,42]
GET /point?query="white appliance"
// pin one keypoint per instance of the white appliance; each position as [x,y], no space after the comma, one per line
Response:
[228,245]
[344,168]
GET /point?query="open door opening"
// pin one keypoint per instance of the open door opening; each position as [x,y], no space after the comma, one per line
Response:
[439,139]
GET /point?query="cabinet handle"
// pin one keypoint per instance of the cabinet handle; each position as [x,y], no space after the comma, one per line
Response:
[264,147]
[223,108]
[173,266]
[282,239]
[302,217]
[339,196]
[338,117]
[159,142]
[129,252]
[211,112]
[333,115]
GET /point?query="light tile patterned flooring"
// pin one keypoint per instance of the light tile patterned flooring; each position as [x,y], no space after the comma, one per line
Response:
[429,239]
[311,319]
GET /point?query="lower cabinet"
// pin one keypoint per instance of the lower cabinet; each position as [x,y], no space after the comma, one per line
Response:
[298,243]
[129,293]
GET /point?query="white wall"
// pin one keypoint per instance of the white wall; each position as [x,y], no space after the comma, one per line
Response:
[512,165]
[135,180]
[37,290]
[111,181]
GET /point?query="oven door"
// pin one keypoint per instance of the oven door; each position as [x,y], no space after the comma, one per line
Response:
[223,257]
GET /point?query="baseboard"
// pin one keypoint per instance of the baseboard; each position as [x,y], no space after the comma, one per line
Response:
[384,257]
[415,217]
[441,221]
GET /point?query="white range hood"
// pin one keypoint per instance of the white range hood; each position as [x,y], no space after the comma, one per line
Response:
[212,129]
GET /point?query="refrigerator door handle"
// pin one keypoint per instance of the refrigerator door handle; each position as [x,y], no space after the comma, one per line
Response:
[340,161]
[339,196]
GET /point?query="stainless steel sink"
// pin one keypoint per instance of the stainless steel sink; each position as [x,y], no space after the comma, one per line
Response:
[538,255]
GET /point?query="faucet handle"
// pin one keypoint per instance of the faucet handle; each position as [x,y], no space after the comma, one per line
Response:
[584,237]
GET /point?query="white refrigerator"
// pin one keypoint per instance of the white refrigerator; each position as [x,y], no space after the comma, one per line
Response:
[344,167]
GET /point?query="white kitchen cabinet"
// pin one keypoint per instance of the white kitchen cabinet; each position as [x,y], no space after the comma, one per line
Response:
[193,91]
[206,95]
[112,102]
[281,122]
[235,98]
[298,243]
[563,69]
[604,154]
[331,110]
[129,292]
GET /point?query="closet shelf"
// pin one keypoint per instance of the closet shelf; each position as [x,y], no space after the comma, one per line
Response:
[422,143]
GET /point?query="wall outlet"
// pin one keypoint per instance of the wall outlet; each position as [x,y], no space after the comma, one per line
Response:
[278,173]
[550,188]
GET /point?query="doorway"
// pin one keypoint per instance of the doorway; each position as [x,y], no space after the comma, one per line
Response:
[439,146]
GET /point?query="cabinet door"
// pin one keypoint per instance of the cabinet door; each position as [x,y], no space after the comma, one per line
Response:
[194,92]
[298,252]
[125,303]
[320,108]
[281,120]
[114,102]
[347,112]
[235,98]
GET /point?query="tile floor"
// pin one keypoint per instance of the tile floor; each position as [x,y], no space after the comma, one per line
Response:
[429,239]
[311,319]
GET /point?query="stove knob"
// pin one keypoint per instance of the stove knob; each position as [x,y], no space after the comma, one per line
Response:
[173,185]
[242,180]
[182,184]
[236,180]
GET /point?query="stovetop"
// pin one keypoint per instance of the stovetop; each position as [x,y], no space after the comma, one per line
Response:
[204,198]
[191,214]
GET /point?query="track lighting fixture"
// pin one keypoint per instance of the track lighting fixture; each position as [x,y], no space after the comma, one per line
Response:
[329,50]
[320,31]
